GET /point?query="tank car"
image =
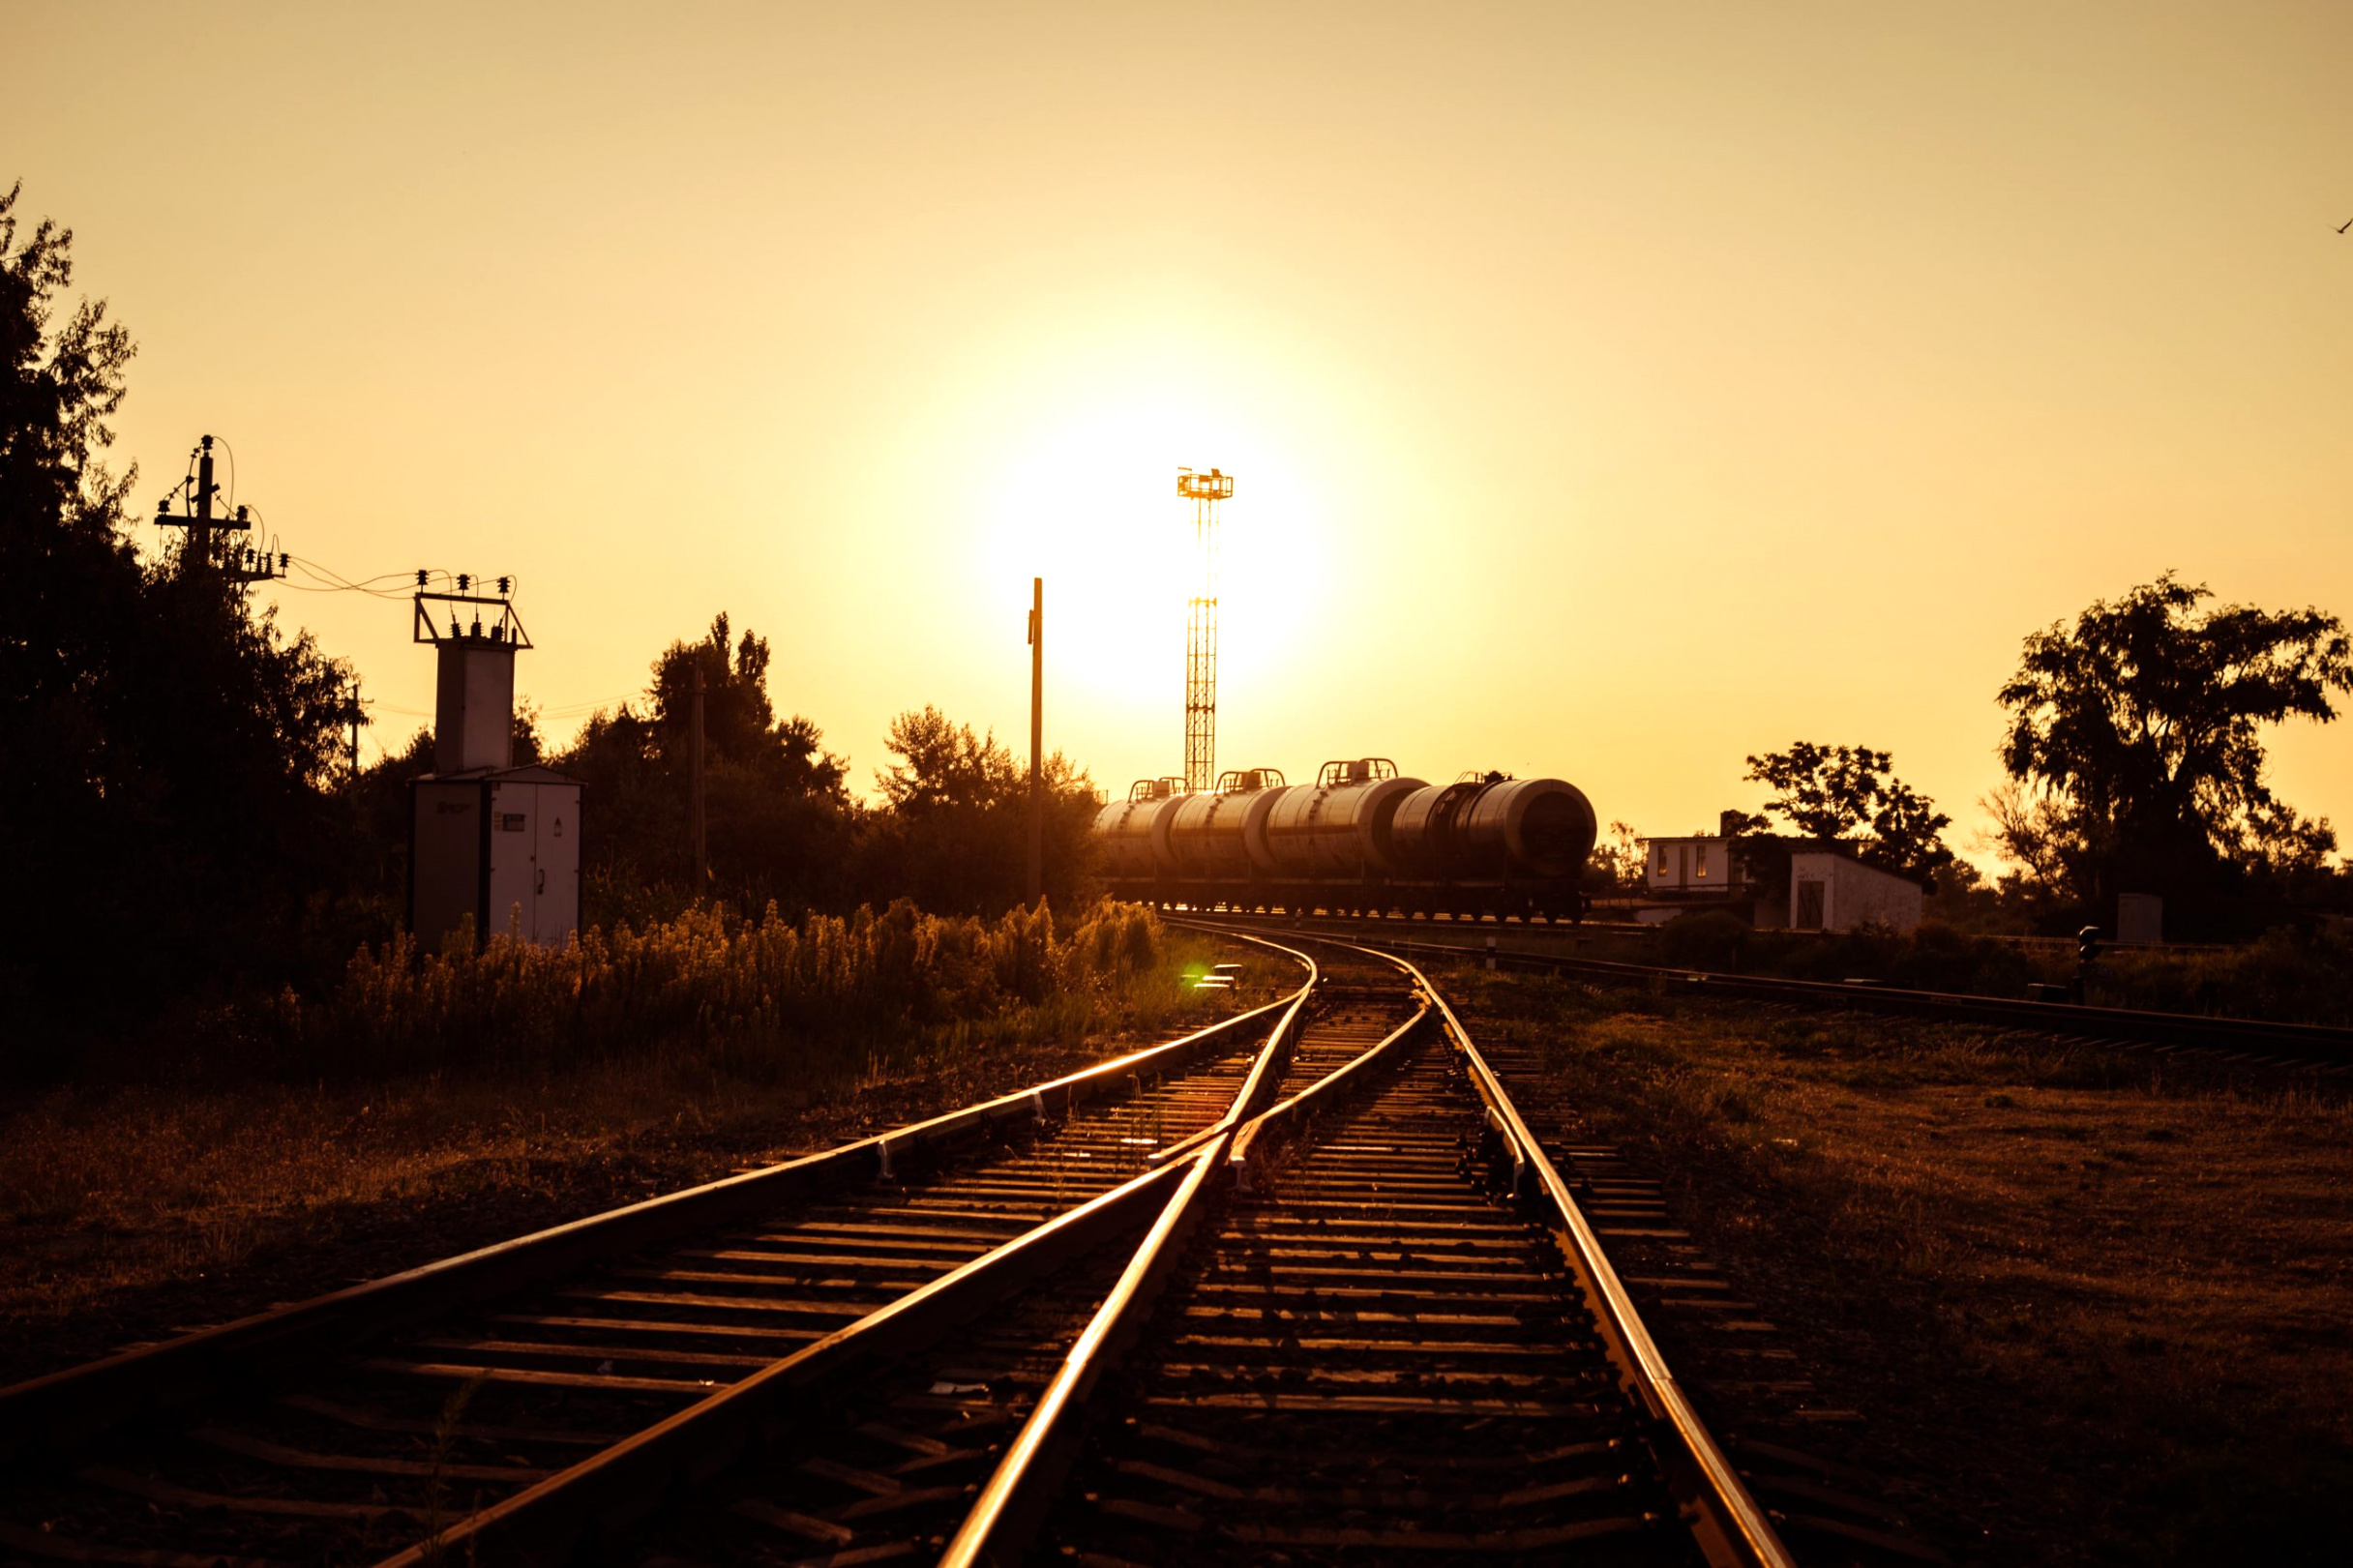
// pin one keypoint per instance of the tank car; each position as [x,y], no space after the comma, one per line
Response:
[1132,835]
[1221,836]
[1360,837]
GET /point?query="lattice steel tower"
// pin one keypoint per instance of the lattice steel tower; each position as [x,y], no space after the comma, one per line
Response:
[1205,491]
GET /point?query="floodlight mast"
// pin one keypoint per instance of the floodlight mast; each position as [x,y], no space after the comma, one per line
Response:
[1205,491]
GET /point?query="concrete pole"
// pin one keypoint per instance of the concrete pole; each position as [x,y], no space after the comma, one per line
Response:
[203,529]
[702,870]
[1037,733]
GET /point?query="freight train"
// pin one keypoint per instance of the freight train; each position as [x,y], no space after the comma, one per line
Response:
[1359,839]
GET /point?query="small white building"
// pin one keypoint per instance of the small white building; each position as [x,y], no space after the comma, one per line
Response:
[1694,865]
[1834,892]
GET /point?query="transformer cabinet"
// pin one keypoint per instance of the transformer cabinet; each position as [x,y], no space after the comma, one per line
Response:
[502,845]
[487,838]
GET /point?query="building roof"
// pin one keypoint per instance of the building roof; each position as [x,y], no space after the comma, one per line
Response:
[527,772]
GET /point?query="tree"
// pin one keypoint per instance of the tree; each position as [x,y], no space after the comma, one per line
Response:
[2135,744]
[161,811]
[953,834]
[1618,861]
[780,823]
[1843,794]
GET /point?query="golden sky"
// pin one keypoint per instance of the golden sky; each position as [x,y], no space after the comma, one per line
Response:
[1613,391]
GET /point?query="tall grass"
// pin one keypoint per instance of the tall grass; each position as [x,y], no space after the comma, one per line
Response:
[768,996]
[2290,975]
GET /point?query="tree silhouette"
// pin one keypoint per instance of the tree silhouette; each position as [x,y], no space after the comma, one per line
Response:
[1844,794]
[2135,739]
[161,811]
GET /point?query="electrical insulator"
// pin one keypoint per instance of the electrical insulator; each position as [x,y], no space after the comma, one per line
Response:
[477,627]
[285,561]
[502,586]
[463,581]
[420,577]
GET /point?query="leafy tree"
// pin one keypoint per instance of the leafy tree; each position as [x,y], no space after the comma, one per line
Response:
[779,823]
[2135,744]
[1844,794]
[161,813]
[954,830]
[1618,861]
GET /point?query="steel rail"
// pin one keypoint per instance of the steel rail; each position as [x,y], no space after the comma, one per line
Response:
[615,1487]
[619,1485]
[1264,1071]
[65,1408]
[1727,1522]
[1730,1527]
[2314,1042]
[1014,1501]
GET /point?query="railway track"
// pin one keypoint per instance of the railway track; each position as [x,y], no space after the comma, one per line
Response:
[1306,1287]
[327,1431]
[2260,1042]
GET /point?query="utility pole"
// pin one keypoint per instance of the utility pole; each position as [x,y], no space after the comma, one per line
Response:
[357,719]
[702,870]
[196,494]
[1037,737]
[201,533]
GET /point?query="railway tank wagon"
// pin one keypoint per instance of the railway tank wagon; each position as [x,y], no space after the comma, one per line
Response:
[1132,835]
[1221,836]
[1362,837]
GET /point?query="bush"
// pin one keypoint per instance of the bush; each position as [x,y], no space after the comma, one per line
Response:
[1708,939]
[768,996]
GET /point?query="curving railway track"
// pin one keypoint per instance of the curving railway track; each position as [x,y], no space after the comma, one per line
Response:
[1303,1287]
[1519,945]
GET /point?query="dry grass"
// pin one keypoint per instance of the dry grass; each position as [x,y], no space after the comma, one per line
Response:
[127,1212]
[2107,1301]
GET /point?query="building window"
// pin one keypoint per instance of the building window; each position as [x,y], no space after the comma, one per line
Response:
[1699,861]
[1662,859]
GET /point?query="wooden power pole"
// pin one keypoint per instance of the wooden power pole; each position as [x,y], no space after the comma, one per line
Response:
[1037,735]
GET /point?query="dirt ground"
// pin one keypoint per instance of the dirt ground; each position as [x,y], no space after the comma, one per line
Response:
[2098,1305]
[129,1214]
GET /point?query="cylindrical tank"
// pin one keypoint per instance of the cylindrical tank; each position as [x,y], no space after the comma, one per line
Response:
[1222,836]
[1338,828]
[1134,836]
[1526,828]
[1421,831]
[1490,826]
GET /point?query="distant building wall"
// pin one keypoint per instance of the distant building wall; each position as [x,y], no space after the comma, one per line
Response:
[1832,893]
[1694,865]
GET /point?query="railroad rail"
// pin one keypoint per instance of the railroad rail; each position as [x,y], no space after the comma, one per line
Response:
[325,1431]
[1374,1323]
[2260,1040]
[1323,1228]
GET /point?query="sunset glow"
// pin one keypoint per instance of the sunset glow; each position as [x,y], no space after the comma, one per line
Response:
[1611,394]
